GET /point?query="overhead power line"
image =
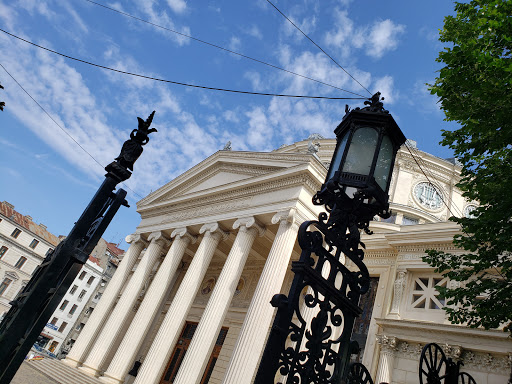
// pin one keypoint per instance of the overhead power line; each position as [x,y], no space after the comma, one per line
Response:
[219,47]
[177,82]
[320,48]
[61,128]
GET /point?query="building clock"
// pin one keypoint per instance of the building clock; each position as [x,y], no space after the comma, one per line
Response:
[428,196]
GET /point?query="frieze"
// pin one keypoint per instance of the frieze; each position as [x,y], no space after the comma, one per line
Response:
[312,184]
[473,360]
[379,261]
[422,248]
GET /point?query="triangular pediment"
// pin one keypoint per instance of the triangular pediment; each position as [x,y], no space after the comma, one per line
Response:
[221,169]
[12,275]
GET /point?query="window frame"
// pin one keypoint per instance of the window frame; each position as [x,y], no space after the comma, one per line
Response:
[3,250]
[16,232]
[21,262]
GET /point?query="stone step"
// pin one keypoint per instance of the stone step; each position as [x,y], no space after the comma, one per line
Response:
[61,372]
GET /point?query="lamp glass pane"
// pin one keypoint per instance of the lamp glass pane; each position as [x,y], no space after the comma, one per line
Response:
[383,165]
[361,152]
[339,155]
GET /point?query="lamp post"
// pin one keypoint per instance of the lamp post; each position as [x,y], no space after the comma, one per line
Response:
[354,192]
[50,281]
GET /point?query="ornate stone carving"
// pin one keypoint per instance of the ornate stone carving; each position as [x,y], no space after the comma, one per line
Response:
[135,238]
[159,238]
[183,232]
[398,290]
[452,351]
[388,344]
[246,223]
[212,229]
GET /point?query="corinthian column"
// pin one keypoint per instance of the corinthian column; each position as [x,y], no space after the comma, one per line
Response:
[253,334]
[388,347]
[88,335]
[116,322]
[202,343]
[159,354]
[139,327]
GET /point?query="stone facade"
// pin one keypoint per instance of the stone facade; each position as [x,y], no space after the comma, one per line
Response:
[215,244]
[23,246]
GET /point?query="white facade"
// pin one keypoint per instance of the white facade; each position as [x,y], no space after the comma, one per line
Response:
[64,318]
[215,244]
[23,246]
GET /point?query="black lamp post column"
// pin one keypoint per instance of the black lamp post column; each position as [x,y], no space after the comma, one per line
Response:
[32,308]
[354,192]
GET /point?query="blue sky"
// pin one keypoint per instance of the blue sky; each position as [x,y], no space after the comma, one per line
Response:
[389,47]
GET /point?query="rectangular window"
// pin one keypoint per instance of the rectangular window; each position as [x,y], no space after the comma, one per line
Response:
[63,326]
[54,321]
[73,289]
[63,305]
[33,244]
[82,275]
[2,251]
[89,311]
[79,326]
[20,262]
[91,279]
[73,309]
[5,284]
[82,294]
[50,250]
[16,233]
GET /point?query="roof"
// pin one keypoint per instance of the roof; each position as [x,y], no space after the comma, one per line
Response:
[7,210]
[95,260]
[113,249]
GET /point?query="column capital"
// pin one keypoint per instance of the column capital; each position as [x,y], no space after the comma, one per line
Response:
[388,344]
[158,238]
[135,238]
[291,216]
[213,228]
[183,232]
[249,223]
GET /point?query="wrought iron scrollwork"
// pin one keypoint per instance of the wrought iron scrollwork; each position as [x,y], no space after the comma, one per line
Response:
[310,339]
[358,374]
[436,368]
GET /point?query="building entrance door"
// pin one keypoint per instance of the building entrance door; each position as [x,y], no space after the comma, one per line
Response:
[181,349]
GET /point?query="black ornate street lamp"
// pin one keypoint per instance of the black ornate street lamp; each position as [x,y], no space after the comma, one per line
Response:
[32,308]
[310,339]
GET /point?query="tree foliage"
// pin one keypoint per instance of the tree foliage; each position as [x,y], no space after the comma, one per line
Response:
[474,89]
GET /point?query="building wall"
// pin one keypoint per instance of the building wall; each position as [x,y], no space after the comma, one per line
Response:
[32,243]
[231,185]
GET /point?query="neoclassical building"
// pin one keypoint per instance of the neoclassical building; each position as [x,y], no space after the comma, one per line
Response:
[189,302]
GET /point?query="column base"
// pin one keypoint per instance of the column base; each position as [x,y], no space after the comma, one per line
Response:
[89,371]
[110,380]
[70,362]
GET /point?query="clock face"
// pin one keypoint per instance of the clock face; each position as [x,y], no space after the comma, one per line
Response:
[468,211]
[428,196]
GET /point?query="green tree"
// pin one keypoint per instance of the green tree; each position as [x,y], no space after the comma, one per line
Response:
[474,89]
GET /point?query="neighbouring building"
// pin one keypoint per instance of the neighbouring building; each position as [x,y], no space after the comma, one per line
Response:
[215,244]
[23,246]
[63,320]
[107,255]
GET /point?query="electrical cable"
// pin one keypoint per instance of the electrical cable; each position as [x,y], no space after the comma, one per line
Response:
[428,179]
[180,83]
[219,47]
[320,48]
[62,129]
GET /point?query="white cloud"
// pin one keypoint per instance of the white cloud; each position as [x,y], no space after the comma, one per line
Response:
[385,85]
[259,133]
[383,38]
[178,6]
[255,79]
[376,39]
[255,32]
[235,44]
